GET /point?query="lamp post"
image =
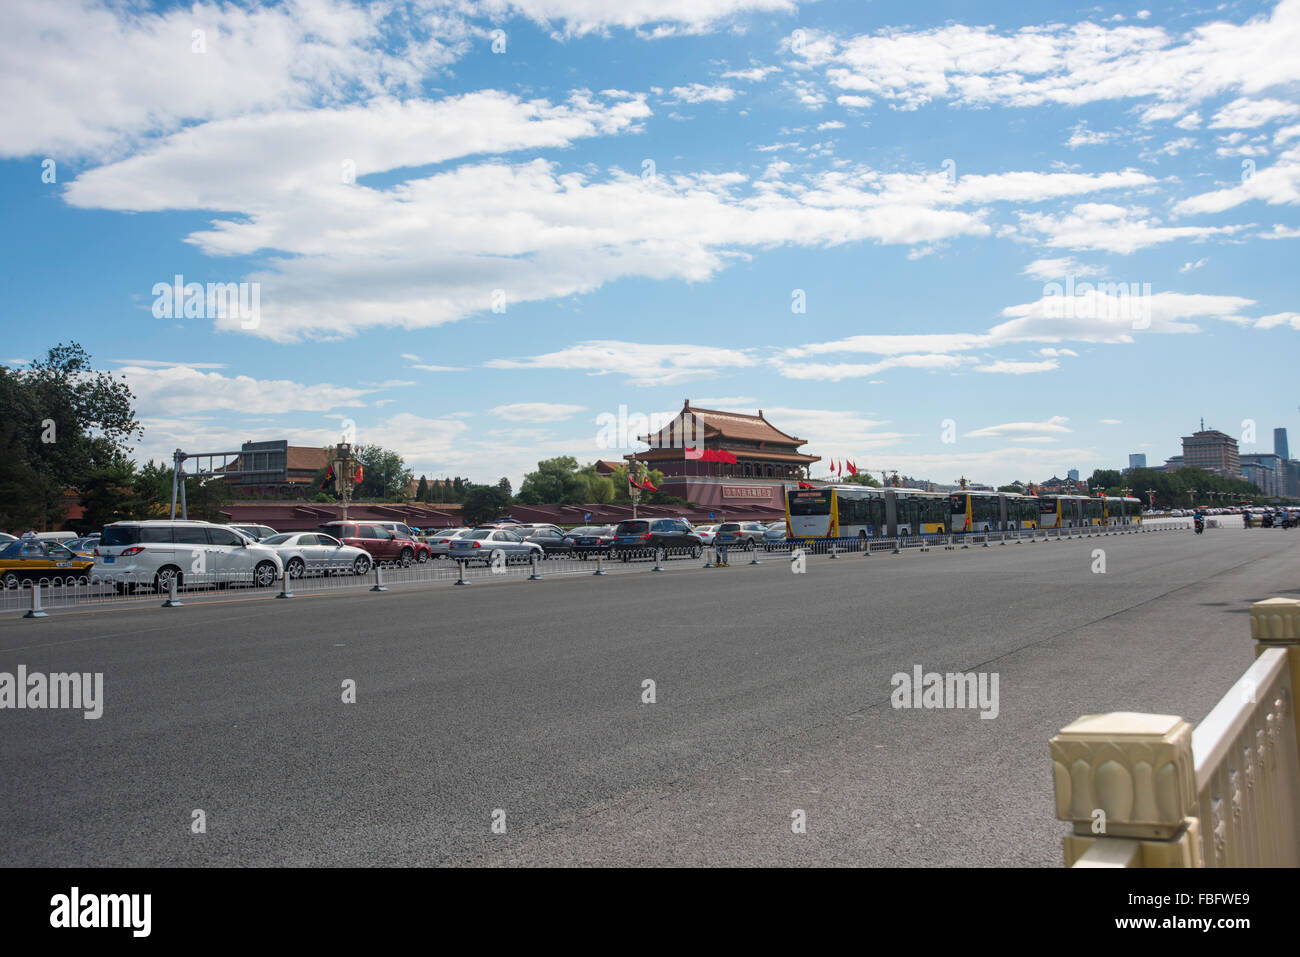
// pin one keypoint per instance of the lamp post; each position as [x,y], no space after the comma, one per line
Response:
[636,474]
[344,464]
[1151,498]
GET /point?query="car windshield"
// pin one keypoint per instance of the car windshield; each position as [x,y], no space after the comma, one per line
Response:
[633,528]
[277,539]
[478,533]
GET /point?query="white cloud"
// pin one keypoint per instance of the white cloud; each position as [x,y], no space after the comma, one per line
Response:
[1281,232]
[837,371]
[644,364]
[1192,266]
[1057,269]
[1291,319]
[702,93]
[1110,421]
[1275,185]
[178,390]
[1014,367]
[1245,113]
[536,411]
[90,78]
[1054,425]
[663,17]
[830,125]
[751,75]
[1110,228]
[1064,64]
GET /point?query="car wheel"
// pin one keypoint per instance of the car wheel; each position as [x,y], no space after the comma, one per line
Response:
[361,565]
[406,558]
[264,574]
[423,557]
[162,581]
[697,551]
[296,568]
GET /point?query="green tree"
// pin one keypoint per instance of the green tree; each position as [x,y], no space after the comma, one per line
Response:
[555,482]
[862,478]
[62,420]
[483,503]
[422,490]
[384,474]
[108,495]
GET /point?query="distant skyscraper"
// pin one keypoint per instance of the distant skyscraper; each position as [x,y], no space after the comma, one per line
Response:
[1279,444]
[1138,460]
[1072,475]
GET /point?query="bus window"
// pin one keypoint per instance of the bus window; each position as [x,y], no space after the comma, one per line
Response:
[986,513]
[810,503]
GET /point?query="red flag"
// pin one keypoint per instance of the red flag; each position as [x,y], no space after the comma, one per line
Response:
[853,469]
[329,476]
[806,485]
[648,486]
[832,466]
[358,476]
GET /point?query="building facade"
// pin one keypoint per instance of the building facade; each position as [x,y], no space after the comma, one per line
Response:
[1213,451]
[275,468]
[1137,460]
[695,453]
[1280,448]
[1266,471]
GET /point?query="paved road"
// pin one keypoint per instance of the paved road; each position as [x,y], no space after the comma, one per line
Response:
[772,695]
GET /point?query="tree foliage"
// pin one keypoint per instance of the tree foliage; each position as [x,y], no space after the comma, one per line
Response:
[63,420]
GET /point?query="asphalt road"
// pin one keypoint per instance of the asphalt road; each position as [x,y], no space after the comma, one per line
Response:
[772,695]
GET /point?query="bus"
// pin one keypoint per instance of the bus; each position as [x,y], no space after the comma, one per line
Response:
[1123,510]
[859,511]
[855,511]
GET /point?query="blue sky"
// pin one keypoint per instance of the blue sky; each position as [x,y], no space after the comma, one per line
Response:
[644,192]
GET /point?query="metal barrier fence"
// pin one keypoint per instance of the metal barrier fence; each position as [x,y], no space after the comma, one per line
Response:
[35,598]
[1148,790]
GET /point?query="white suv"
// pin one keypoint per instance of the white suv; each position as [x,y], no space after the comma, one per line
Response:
[132,555]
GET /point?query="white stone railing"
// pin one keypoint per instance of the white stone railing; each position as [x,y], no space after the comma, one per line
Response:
[1145,790]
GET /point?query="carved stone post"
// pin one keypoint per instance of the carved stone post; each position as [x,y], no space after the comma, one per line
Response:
[1275,623]
[1127,783]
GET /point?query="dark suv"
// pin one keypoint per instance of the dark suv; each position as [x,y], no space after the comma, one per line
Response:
[645,536]
[383,545]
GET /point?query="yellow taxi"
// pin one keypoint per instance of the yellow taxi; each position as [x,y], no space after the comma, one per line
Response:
[30,560]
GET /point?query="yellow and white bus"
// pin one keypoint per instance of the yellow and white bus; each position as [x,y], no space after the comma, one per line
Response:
[856,511]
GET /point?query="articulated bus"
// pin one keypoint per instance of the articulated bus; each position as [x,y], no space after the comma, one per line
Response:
[838,511]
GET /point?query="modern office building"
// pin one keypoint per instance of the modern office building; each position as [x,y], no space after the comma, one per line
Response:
[1213,451]
[1265,471]
[1279,444]
[1137,460]
[1072,475]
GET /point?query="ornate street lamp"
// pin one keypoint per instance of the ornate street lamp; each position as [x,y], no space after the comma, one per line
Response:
[636,474]
[343,463]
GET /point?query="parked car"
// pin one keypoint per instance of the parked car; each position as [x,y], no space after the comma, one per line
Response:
[315,553]
[255,532]
[554,541]
[137,554]
[440,542]
[32,560]
[384,546]
[644,536]
[774,535]
[82,547]
[745,535]
[402,530]
[485,544]
[592,540]
[706,533]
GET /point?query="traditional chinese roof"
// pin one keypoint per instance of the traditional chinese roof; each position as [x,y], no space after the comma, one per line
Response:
[719,425]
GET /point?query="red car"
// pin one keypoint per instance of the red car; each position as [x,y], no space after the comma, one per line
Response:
[383,545]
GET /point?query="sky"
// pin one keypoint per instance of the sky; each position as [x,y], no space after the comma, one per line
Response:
[980,239]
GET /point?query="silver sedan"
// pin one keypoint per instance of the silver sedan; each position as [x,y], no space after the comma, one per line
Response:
[440,542]
[311,553]
[485,544]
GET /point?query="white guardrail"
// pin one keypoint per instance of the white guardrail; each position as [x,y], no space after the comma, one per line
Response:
[1145,790]
[35,598]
